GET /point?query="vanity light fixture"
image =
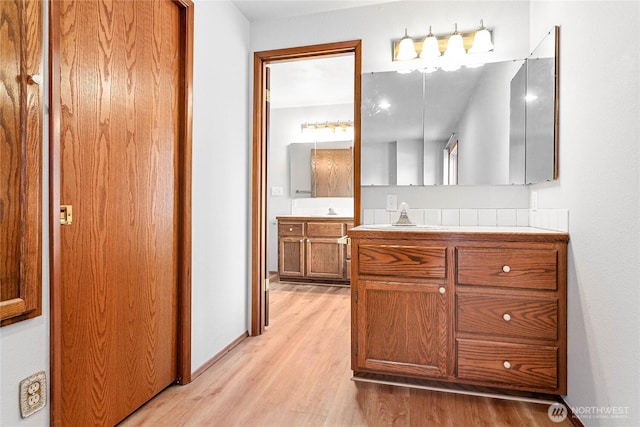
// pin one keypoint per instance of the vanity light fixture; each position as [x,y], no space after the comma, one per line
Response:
[455,45]
[432,46]
[331,126]
[406,48]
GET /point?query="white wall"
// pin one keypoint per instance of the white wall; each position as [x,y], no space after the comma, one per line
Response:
[600,185]
[221,179]
[484,128]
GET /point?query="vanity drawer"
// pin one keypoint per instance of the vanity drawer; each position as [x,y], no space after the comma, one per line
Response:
[522,317]
[325,229]
[517,365]
[290,229]
[405,261]
[516,268]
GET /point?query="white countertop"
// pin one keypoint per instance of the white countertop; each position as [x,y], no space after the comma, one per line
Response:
[456,229]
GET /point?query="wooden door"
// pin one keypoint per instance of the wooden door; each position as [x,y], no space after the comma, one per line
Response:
[402,329]
[120,128]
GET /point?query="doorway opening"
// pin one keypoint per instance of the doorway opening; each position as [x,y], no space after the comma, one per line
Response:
[261,221]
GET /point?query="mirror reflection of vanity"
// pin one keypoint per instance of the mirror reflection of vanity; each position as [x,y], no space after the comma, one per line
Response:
[490,125]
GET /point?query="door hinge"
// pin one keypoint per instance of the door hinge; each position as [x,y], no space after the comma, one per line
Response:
[356,297]
[266,284]
[267,95]
[356,349]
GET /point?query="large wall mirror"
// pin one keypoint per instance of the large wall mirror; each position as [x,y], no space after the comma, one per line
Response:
[490,125]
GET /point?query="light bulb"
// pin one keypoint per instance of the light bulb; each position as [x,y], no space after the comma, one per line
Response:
[430,48]
[406,48]
[482,40]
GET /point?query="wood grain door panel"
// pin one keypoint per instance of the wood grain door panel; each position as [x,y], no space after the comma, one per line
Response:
[121,70]
[402,329]
[324,258]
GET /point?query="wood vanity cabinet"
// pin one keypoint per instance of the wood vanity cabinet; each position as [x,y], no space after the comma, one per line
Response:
[476,308]
[309,249]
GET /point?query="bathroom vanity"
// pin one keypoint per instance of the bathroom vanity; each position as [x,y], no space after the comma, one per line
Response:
[466,305]
[310,248]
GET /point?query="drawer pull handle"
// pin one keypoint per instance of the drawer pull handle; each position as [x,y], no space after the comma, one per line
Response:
[291,229]
[506,364]
[506,268]
[442,290]
[506,317]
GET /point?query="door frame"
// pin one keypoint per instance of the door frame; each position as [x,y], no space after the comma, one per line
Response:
[183,201]
[259,164]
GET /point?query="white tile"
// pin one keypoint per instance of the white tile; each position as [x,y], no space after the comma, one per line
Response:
[416,216]
[563,220]
[522,217]
[487,217]
[381,216]
[451,217]
[553,218]
[507,218]
[469,217]
[367,216]
[433,216]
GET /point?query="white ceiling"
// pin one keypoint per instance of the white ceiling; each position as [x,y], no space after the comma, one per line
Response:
[255,10]
[320,81]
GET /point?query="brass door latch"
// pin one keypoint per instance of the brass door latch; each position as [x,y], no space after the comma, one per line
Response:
[66,214]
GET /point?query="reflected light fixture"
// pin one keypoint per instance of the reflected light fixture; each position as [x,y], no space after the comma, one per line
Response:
[338,126]
[406,48]
[430,48]
[482,40]
[455,45]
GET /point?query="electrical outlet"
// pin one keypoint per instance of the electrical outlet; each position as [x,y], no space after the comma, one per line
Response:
[392,203]
[33,394]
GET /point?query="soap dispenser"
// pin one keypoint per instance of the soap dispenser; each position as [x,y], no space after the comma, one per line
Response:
[404,217]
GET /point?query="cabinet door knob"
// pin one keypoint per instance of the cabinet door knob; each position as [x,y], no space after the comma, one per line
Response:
[35,79]
[442,290]
[290,228]
[506,364]
[506,317]
[506,268]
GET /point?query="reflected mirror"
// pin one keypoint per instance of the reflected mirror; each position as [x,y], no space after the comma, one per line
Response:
[489,125]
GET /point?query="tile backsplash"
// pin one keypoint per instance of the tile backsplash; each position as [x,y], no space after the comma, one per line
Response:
[550,219]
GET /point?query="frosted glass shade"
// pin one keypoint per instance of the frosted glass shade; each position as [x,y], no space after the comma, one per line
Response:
[430,48]
[481,41]
[455,46]
[406,49]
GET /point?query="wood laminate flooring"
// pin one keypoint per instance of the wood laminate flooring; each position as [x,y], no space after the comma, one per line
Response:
[298,374]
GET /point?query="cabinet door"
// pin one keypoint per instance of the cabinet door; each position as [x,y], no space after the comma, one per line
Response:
[291,257]
[325,258]
[402,329]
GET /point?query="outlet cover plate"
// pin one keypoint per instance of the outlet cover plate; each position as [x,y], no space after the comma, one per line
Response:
[33,394]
